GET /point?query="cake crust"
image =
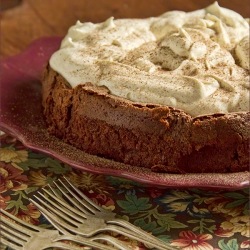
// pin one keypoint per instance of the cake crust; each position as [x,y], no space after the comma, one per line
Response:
[161,138]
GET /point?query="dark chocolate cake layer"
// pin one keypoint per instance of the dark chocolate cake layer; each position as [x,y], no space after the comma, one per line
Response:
[161,138]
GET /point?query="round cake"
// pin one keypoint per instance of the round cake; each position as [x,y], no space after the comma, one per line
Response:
[168,93]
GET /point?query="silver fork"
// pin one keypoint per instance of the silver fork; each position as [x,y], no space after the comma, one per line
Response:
[20,235]
[87,218]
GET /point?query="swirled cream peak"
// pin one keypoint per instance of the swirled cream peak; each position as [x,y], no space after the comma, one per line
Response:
[196,61]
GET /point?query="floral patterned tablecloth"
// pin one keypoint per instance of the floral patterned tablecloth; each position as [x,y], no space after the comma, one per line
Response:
[190,219]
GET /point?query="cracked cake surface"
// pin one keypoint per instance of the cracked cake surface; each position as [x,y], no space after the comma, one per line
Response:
[169,93]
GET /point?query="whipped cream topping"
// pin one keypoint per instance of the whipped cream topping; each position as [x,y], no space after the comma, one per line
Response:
[196,61]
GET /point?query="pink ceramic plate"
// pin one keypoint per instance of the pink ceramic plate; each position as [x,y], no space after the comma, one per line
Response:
[21,116]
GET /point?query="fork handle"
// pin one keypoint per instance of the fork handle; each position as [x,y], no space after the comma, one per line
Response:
[140,233]
[114,241]
[146,238]
[64,246]
[84,241]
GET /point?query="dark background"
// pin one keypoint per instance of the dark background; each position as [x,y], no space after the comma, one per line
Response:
[31,19]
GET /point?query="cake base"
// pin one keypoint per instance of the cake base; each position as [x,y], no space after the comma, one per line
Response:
[161,138]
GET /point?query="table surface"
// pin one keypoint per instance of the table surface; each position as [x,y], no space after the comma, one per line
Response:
[32,19]
[192,219]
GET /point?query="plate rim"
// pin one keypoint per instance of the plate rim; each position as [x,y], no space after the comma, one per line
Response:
[200,180]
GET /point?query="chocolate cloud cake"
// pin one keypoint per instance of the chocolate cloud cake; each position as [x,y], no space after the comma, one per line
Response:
[168,93]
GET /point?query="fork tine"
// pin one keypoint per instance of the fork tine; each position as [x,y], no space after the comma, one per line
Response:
[57,209]
[9,236]
[13,229]
[62,202]
[18,227]
[77,202]
[93,207]
[21,222]
[43,211]
[54,219]
[10,244]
